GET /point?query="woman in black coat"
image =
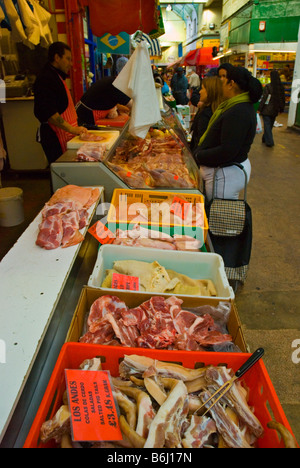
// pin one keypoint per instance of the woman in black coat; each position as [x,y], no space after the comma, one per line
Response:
[229,136]
[271,104]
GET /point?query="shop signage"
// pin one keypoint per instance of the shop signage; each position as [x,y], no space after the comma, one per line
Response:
[262,26]
[94,412]
[119,281]
[119,44]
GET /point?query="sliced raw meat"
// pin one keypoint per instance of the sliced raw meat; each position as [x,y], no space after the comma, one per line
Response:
[102,306]
[126,335]
[199,432]
[90,137]
[74,240]
[158,323]
[51,233]
[83,218]
[158,330]
[91,152]
[104,334]
[154,244]
[235,397]
[84,197]
[134,316]
[58,208]
[70,222]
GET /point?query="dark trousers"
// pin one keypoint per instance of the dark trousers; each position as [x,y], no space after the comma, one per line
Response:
[50,143]
[267,137]
[180,98]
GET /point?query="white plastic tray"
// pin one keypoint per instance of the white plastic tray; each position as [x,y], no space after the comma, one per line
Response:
[196,265]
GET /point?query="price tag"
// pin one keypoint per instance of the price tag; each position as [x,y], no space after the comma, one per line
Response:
[94,412]
[102,233]
[180,207]
[120,281]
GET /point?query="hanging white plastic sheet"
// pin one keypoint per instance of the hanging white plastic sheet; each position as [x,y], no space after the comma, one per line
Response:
[136,81]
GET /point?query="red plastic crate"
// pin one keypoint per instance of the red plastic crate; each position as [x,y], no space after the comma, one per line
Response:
[263,397]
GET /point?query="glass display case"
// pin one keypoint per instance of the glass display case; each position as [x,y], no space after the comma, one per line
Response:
[163,160]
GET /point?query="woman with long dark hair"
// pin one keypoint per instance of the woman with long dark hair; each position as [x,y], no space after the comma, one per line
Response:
[229,135]
[211,95]
[272,103]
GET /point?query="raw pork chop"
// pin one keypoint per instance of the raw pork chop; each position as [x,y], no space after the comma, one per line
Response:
[64,215]
[102,306]
[58,208]
[51,232]
[72,236]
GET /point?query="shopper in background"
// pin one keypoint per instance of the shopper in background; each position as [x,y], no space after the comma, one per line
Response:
[157,77]
[229,136]
[120,64]
[165,89]
[179,86]
[223,69]
[272,103]
[286,75]
[194,80]
[211,96]
[53,104]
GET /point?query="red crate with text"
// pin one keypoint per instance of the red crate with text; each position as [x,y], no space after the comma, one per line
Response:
[262,396]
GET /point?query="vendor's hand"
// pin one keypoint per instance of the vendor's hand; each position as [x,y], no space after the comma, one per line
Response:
[79,130]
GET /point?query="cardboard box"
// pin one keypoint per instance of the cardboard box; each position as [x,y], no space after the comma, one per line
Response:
[89,295]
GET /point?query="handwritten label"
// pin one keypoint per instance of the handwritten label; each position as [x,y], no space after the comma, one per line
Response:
[102,233]
[180,207]
[94,414]
[120,281]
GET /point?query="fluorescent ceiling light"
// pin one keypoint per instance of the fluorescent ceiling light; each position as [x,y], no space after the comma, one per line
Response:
[270,51]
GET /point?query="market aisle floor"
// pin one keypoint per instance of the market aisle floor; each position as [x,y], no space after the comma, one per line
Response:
[269,302]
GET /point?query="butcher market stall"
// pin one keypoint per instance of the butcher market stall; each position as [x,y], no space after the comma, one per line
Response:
[162,161]
[38,286]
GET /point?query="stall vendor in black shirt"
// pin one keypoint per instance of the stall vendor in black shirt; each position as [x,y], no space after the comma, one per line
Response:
[98,100]
[53,104]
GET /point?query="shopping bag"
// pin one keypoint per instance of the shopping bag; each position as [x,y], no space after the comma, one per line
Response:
[230,231]
[259,127]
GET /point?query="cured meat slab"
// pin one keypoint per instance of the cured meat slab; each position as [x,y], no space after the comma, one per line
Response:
[108,138]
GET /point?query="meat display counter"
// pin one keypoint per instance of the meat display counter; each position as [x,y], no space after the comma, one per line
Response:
[39,290]
[163,161]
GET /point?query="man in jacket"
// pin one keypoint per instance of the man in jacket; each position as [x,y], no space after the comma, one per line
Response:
[179,86]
